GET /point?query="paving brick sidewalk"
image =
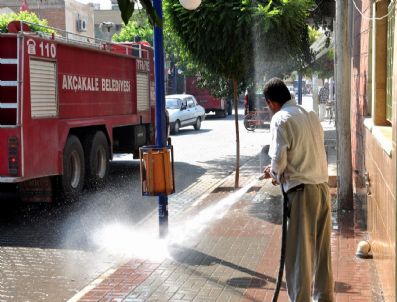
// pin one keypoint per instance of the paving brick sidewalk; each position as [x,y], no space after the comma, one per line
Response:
[235,258]
[226,248]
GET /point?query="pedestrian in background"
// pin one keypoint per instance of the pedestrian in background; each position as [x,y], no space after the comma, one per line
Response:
[323,96]
[299,164]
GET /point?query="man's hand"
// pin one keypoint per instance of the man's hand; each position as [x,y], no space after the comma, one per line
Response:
[267,175]
[266,172]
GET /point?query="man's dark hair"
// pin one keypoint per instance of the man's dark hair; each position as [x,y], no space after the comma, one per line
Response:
[276,91]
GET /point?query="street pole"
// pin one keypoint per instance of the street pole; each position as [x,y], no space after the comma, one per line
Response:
[299,88]
[344,155]
[161,135]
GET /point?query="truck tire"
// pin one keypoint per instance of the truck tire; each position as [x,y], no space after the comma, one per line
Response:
[221,113]
[229,108]
[72,180]
[197,125]
[97,155]
[250,121]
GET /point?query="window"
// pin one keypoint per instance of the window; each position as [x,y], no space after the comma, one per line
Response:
[142,92]
[380,69]
[390,41]
[381,62]
[190,103]
[43,89]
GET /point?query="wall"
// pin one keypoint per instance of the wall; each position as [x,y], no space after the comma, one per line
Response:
[77,11]
[111,17]
[62,14]
[382,213]
[359,95]
[378,141]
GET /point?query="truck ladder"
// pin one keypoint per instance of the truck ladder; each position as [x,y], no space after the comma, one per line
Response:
[9,90]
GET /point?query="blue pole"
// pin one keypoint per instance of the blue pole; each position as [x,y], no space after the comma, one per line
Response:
[161,135]
[299,88]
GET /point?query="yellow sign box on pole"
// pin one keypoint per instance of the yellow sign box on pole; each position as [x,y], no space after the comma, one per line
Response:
[157,170]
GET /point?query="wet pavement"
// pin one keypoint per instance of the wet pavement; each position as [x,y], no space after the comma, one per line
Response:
[224,245]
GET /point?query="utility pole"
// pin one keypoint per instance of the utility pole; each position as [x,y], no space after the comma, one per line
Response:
[343,96]
[299,87]
[161,135]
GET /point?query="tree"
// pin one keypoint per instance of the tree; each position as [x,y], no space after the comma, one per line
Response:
[323,63]
[127,8]
[238,39]
[324,66]
[137,26]
[219,86]
[30,17]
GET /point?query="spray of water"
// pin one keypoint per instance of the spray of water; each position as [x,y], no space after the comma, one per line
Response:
[125,242]
[203,219]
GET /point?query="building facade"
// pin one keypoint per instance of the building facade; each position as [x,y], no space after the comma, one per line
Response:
[68,15]
[373,104]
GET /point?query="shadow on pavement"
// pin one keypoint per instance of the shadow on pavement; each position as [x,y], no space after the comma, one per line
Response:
[190,131]
[193,257]
[220,165]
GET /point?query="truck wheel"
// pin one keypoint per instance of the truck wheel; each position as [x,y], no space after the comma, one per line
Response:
[250,122]
[72,180]
[96,150]
[197,125]
[177,125]
[229,108]
[221,113]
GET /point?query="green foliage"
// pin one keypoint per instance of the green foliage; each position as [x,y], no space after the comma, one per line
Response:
[322,15]
[204,32]
[30,17]
[127,8]
[137,26]
[219,86]
[281,37]
[314,34]
[244,40]
[241,39]
[324,66]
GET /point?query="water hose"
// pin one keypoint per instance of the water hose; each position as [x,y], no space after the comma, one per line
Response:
[283,247]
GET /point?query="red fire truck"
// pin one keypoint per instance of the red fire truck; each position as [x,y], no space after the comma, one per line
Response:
[66,107]
[220,106]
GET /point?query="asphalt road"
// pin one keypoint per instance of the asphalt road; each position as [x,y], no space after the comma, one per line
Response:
[48,252]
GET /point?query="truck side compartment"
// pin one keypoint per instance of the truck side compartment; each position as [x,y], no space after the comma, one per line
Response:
[219,106]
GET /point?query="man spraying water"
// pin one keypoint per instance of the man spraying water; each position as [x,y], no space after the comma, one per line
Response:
[299,165]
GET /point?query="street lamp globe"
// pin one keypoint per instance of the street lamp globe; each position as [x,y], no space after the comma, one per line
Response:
[190,4]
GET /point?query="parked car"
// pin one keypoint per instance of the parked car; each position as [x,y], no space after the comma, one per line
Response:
[183,110]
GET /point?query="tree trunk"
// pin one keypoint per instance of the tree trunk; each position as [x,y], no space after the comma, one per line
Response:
[235,100]
[343,131]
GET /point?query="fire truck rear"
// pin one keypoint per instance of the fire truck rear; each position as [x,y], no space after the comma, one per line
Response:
[66,107]
[219,106]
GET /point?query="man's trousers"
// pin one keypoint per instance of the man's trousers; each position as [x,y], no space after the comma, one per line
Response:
[308,251]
